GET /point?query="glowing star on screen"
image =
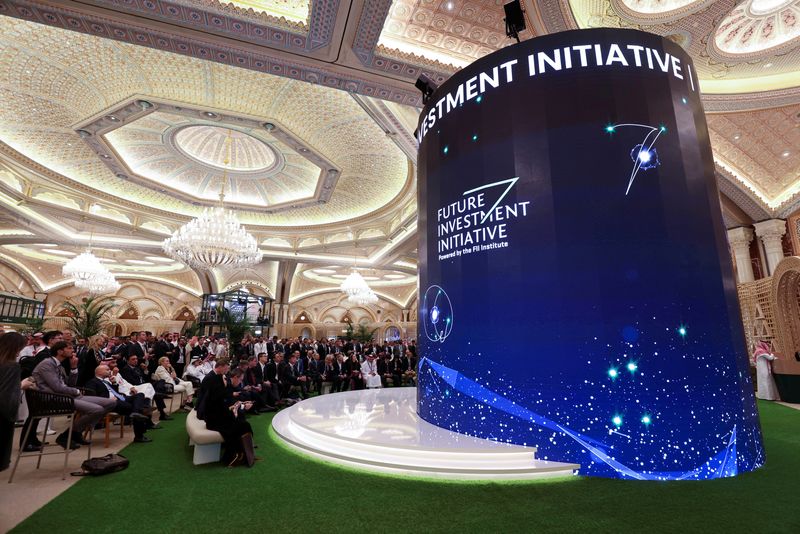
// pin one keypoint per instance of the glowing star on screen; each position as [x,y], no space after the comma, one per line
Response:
[613,373]
[644,156]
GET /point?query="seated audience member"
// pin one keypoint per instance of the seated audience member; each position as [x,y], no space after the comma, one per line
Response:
[165,372]
[224,418]
[131,406]
[291,377]
[352,369]
[51,378]
[314,371]
[254,378]
[369,370]
[11,343]
[196,372]
[238,391]
[133,374]
[330,373]
[272,375]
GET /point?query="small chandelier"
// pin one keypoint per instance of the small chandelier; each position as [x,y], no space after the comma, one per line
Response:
[215,239]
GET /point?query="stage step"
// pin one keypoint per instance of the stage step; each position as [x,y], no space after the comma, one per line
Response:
[379,430]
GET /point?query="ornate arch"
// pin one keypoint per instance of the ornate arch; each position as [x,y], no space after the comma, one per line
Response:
[786,296]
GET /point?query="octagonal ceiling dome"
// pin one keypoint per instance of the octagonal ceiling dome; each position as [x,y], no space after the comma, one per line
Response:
[224,148]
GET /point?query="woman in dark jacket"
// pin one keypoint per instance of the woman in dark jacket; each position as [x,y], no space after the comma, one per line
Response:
[10,345]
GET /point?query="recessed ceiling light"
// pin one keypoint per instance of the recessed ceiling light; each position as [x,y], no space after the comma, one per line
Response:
[449,6]
[737,136]
[210,115]
[786,154]
[112,118]
[45,245]
[394,276]
[767,65]
[342,276]
[59,252]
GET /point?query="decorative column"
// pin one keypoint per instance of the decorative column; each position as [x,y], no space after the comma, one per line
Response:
[739,240]
[771,234]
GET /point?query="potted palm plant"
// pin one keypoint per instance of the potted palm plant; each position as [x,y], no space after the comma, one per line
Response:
[90,317]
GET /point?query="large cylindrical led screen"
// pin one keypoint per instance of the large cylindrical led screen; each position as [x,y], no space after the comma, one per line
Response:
[576,290]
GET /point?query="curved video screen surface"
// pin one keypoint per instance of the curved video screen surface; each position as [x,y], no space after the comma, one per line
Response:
[576,290]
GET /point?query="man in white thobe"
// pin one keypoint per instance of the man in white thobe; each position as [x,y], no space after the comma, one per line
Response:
[369,370]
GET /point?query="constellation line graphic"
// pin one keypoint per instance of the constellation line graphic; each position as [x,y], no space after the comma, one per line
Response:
[644,156]
[438,312]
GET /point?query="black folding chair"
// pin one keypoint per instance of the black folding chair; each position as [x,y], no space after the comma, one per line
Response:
[42,405]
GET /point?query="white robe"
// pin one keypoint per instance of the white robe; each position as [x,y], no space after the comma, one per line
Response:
[125,387]
[366,369]
[767,389]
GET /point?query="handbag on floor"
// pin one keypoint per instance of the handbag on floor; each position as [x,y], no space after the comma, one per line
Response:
[110,463]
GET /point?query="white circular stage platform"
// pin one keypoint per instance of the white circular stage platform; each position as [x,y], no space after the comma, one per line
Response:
[379,430]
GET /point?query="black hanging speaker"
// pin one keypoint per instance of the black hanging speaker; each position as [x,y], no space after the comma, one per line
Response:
[515,19]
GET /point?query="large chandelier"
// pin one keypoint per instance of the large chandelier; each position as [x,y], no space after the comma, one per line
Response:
[215,239]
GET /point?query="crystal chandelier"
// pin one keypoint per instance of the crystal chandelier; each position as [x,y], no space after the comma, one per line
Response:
[363,298]
[101,284]
[215,239]
[83,268]
[89,274]
[354,284]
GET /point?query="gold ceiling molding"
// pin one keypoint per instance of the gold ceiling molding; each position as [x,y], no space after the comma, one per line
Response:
[289,14]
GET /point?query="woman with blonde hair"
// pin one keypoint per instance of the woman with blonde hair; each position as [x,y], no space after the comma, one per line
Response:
[166,373]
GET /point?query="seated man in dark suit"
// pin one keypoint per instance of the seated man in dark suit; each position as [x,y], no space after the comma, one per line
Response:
[50,377]
[290,376]
[133,373]
[132,406]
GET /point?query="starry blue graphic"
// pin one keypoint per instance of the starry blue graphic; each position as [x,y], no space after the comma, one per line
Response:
[437,311]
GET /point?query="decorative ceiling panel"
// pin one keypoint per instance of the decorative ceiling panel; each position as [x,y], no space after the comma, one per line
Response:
[770,60]
[762,147]
[452,33]
[79,77]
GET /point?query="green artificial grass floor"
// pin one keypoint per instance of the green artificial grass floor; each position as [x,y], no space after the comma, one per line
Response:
[163,492]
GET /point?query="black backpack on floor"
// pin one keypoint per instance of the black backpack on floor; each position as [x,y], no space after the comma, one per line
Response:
[110,463]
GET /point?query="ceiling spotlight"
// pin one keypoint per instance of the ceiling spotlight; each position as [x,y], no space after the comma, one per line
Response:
[122,176]
[268,126]
[737,136]
[426,87]
[786,154]
[144,104]
[112,118]
[449,6]
[105,156]
[84,133]
[210,115]
[303,149]
[767,65]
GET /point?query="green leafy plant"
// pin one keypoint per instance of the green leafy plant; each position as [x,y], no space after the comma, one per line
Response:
[364,334]
[192,329]
[90,317]
[349,333]
[235,326]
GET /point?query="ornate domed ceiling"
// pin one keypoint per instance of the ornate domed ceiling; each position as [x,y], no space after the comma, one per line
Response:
[64,82]
[224,148]
[194,160]
[757,26]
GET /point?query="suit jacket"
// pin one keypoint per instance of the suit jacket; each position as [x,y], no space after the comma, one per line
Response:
[271,373]
[258,373]
[97,388]
[215,411]
[135,349]
[287,373]
[134,375]
[51,378]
